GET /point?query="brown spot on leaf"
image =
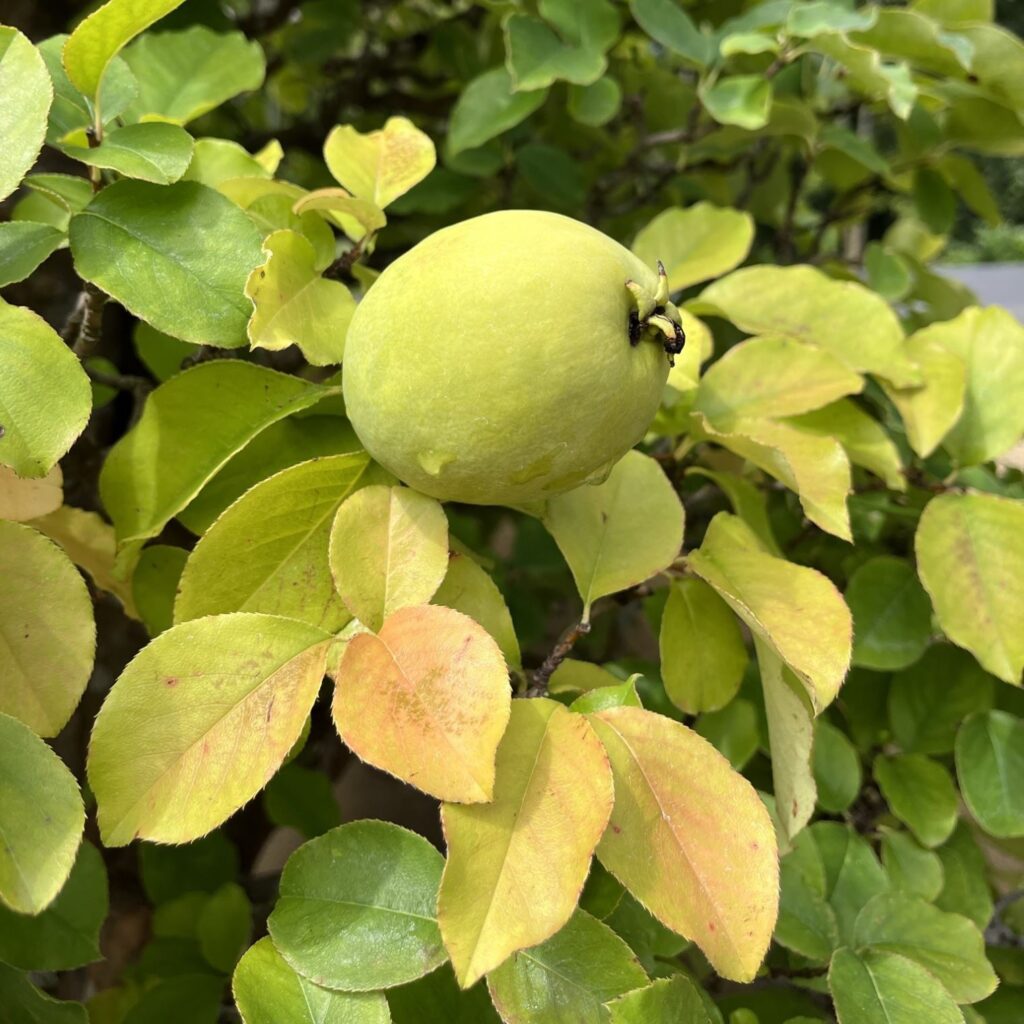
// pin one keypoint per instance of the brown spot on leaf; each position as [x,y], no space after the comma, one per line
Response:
[171,681]
[616,829]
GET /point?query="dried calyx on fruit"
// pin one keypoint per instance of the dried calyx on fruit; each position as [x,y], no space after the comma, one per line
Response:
[508,358]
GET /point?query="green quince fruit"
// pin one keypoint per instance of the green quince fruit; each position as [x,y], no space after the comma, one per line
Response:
[508,358]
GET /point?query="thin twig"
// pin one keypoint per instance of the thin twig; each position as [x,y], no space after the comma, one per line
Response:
[87,338]
[558,654]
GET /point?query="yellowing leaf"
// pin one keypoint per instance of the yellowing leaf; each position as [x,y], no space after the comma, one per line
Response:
[814,466]
[88,540]
[863,438]
[552,799]
[345,209]
[469,589]
[27,90]
[618,533]
[22,499]
[772,376]
[791,738]
[795,610]
[703,656]
[41,819]
[47,633]
[198,723]
[853,323]
[268,551]
[990,345]
[381,165]
[388,550]
[690,838]
[427,700]
[695,244]
[97,39]
[931,410]
[970,557]
[294,305]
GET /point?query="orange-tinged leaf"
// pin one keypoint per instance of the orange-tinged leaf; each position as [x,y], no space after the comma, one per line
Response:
[516,866]
[426,699]
[690,838]
[198,723]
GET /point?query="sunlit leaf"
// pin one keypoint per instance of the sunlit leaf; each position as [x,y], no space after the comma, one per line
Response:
[552,799]
[970,556]
[45,398]
[690,838]
[666,999]
[388,550]
[41,818]
[356,908]
[568,978]
[427,700]
[27,91]
[199,721]
[23,247]
[268,991]
[792,608]
[22,499]
[616,534]
[741,100]
[157,153]
[47,630]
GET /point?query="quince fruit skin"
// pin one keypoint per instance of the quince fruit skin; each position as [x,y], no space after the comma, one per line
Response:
[492,363]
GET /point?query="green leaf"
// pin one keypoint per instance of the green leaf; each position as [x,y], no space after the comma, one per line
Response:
[184,994]
[176,256]
[811,19]
[990,344]
[26,1004]
[224,928]
[268,551]
[885,988]
[381,165]
[703,656]
[170,872]
[734,731]
[437,999]
[161,354]
[155,584]
[919,40]
[486,108]
[47,632]
[772,376]
[618,533]
[843,317]
[45,398]
[574,676]
[665,776]
[100,37]
[741,100]
[216,162]
[910,867]
[837,771]
[303,799]
[795,610]
[67,934]
[666,23]
[947,945]
[294,305]
[990,765]
[268,991]
[41,819]
[388,550]
[666,999]
[920,793]
[469,589]
[552,800]
[23,247]
[27,91]
[747,500]
[700,242]
[863,438]
[892,615]
[356,908]
[567,979]
[183,75]
[595,104]
[790,723]
[966,889]
[190,428]
[603,697]
[868,74]
[971,561]
[198,723]
[928,701]
[852,872]
[888,272]
[807,923]
[158,153]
